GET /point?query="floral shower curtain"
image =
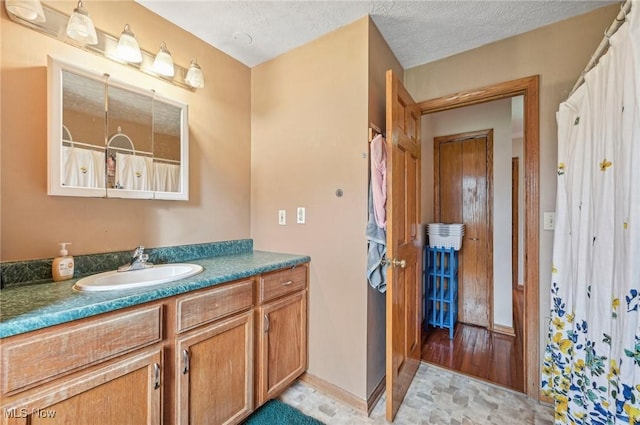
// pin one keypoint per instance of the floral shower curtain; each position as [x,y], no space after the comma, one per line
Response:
[592,360]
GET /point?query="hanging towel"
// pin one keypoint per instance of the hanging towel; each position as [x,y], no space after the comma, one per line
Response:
[133,172]
[377,238]
[376,226]
[82,167]
[379,180]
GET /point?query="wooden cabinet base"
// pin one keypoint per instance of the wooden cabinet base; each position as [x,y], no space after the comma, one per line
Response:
[188,359]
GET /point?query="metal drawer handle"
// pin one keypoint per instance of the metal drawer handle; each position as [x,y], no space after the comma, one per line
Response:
[287,283]
[266,323]
[185,361]
[156,374]
[474,239]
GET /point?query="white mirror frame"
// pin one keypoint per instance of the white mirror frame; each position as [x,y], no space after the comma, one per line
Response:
[54,151]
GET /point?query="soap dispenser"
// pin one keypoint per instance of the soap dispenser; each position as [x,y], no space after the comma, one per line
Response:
[63,265]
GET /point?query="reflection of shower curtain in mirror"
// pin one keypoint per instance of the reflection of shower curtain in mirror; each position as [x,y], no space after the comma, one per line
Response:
[166,177]
[133,172]
[82,167]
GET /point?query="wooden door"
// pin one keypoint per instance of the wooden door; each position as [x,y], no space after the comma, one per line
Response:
[404,287]
[462,167]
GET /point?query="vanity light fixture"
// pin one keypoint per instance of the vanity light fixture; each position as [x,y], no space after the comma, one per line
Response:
[80,26]
[128,47]
[163,63]
[194,75]
[79,31]
[29,10]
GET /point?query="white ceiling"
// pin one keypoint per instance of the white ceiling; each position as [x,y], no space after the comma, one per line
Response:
[417,31]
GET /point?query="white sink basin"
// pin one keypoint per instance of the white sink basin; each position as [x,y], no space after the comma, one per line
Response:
[115,280]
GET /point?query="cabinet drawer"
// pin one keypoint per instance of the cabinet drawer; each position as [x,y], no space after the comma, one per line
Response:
[276,284]
[58,351]
[203,307]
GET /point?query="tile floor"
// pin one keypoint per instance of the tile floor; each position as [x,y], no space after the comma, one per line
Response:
[436,396]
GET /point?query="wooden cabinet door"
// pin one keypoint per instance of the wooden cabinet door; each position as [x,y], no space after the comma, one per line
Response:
[282,344]
[214,372]
[126,392]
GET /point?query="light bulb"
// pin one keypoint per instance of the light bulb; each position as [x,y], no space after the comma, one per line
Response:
[163,63]
[80,26]
[29,10]
[128,47]
[194,75]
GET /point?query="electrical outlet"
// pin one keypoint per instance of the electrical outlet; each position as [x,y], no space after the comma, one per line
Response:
[300,217]
[282,217]
[549,220]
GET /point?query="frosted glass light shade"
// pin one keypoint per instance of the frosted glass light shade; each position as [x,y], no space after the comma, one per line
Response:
[80,26]
[29,10]
[128,47]
[163,63]
[194,75]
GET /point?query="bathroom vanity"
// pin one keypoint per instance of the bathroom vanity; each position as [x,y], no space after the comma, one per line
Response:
[209,349]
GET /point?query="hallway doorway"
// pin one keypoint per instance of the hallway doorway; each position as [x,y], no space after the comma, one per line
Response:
[523,305]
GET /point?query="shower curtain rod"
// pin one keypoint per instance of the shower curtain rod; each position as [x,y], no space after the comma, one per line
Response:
[604,44]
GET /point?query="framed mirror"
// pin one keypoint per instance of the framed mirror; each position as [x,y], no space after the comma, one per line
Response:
[110,139]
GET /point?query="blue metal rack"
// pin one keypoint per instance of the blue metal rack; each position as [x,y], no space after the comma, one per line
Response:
[441,288]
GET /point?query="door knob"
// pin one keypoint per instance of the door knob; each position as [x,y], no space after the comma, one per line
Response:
[399,263]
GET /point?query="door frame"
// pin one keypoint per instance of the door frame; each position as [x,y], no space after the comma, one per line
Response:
[479,134]
[528,87]
[515,221]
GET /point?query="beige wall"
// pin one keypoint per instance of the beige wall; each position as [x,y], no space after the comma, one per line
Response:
[32,223]
[558,53]
[309,138]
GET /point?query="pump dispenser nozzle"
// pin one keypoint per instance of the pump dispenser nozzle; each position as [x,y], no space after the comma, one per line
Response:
[63,248]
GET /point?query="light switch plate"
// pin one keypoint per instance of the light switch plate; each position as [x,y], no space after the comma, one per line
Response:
[282,217]
[301,215]
[549,220]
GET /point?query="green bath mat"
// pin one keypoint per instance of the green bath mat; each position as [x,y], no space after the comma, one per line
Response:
[275,412]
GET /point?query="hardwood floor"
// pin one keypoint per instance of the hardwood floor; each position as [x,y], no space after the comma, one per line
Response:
[477,352]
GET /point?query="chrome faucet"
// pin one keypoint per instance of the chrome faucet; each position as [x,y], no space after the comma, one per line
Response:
[138,261]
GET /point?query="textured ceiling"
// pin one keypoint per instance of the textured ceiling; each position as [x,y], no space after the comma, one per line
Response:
[417,31]
[86,95]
